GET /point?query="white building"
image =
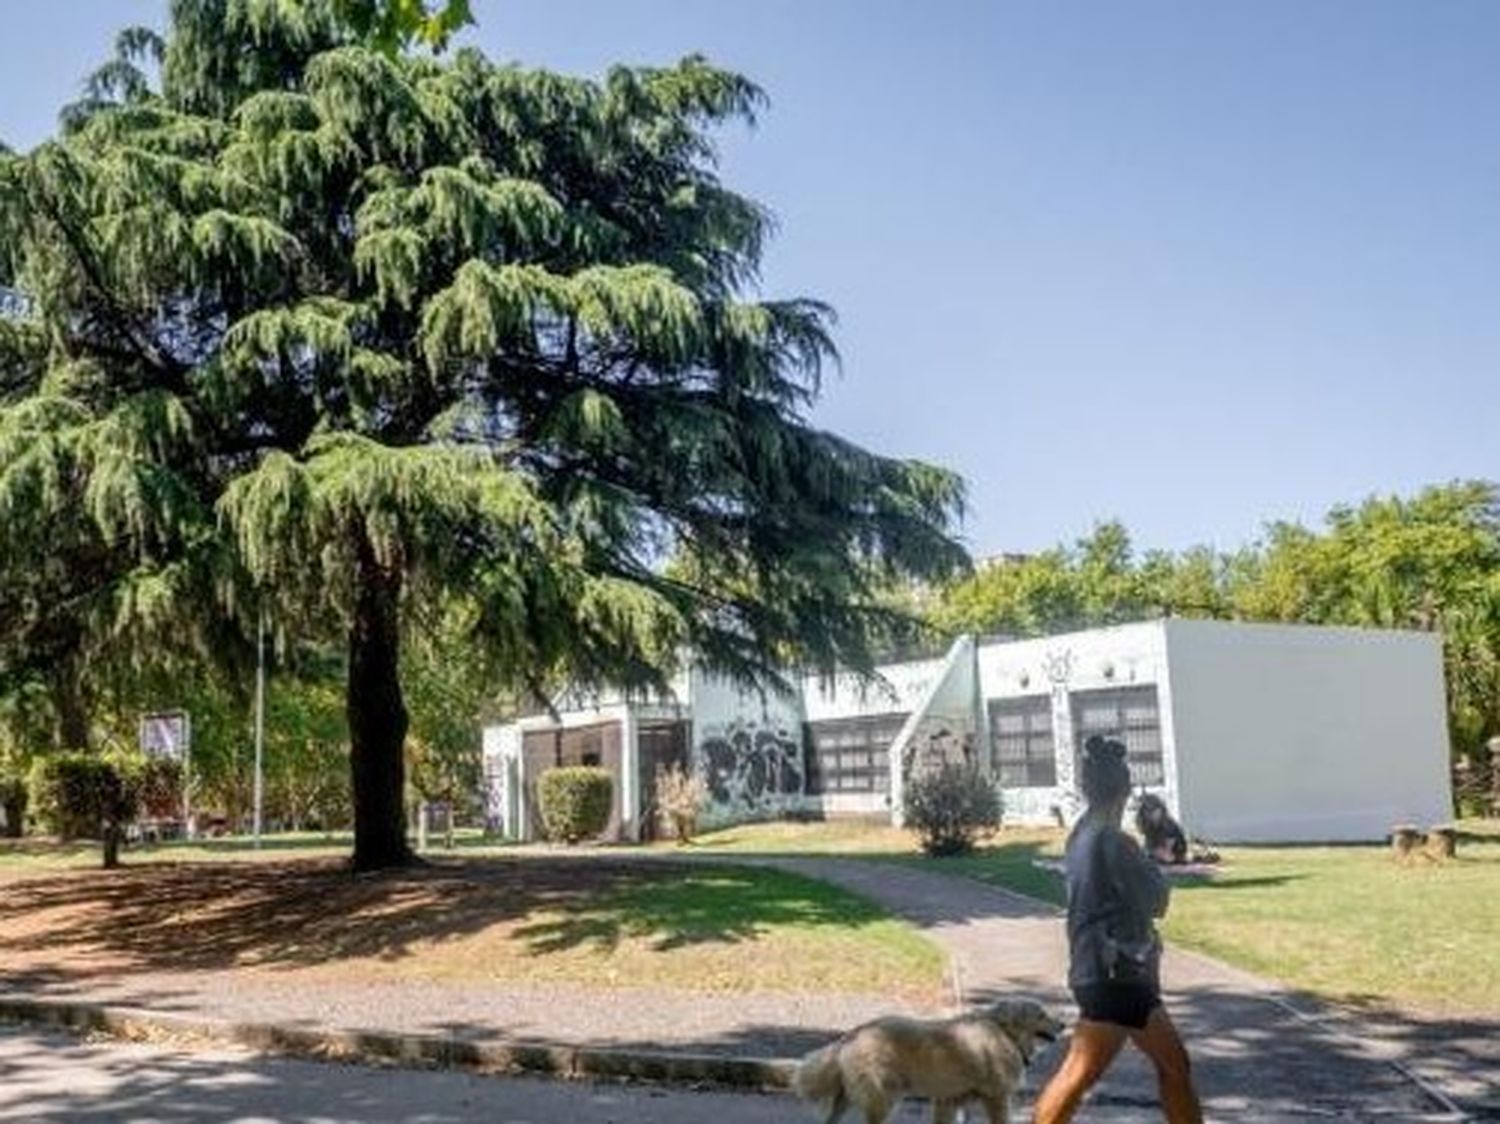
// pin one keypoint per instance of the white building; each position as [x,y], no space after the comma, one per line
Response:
[1252,733]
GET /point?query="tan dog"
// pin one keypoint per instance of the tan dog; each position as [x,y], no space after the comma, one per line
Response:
[979,1056]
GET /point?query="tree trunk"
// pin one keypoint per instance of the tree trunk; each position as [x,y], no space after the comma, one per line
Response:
[111,843]
[15,812]
[377,717]
[70,707]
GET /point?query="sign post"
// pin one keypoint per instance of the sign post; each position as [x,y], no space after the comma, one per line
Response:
[169,734]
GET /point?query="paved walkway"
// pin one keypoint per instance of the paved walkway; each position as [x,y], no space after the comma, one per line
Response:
[1254,1045]
[47,1079]
[1255,1053]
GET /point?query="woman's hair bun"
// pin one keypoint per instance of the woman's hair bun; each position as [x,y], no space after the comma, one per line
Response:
[1101,749]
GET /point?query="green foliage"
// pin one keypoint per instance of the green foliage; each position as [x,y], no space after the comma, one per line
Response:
[575,802]
[158,786]
[348,336]
[1430,562]
[950,807]
[307,751]
[78,795]
[391,25]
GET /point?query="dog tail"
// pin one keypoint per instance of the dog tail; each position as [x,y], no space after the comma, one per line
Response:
[818,1078]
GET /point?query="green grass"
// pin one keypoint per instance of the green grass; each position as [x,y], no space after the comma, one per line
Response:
[466,919]
[1347,922]
[822,837]
[1351,923]
[23,857]
[731,929]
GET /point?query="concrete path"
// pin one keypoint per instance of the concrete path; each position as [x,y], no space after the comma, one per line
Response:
[1254,1046]
[48,1079]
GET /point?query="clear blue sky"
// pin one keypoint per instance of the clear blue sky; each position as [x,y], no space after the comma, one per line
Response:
[1193,264]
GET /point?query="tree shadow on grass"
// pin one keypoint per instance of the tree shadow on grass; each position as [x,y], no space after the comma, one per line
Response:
[704,905]
[1211,882]
[289,914]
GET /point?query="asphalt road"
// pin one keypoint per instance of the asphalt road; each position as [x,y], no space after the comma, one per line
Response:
[46,1078]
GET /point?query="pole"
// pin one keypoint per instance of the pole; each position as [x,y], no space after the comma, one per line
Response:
[260,719]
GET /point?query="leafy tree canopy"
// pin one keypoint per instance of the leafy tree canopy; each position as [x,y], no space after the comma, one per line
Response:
[306,325]
[391,25]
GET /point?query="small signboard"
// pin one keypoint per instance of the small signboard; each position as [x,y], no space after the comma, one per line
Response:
[166,734]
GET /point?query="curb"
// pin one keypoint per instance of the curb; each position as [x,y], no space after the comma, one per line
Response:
[424,1051]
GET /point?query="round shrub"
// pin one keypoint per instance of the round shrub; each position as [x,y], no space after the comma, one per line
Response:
[71,791]
[575,802]
[951,806]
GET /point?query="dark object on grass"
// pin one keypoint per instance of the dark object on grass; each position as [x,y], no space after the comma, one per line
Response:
[1442,842]
[1164,838]
[1405,839]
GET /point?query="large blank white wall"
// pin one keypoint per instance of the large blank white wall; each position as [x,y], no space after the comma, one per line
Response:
[1290,734]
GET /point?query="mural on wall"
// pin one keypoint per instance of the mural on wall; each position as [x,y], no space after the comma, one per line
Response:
[751,768]
[939,744]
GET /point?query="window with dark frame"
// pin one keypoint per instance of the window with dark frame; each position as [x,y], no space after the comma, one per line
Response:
[851,754]
[1021,745]
[1130,714]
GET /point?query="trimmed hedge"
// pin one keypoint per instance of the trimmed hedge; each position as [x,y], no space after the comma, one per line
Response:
[575,802]
[83,796]
[950,807]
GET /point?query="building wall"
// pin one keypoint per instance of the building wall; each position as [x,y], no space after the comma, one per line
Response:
[944,724]
[1291,734]
[897,687]
[501,746]
[900,688]
[1057,666]
[748,749]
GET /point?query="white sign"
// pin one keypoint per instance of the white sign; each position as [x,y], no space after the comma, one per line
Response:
[166,734]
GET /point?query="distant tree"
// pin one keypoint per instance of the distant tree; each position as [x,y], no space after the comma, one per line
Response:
[311,326]
[1429,562]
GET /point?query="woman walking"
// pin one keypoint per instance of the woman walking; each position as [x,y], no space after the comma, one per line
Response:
[1115,894]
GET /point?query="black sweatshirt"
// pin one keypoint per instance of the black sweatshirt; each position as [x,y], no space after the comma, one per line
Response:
[1115,893]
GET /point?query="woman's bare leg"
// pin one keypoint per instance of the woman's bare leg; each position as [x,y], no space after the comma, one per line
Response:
[1093,1047]
[1160,1042]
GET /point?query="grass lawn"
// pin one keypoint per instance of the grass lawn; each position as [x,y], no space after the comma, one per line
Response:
[1345,922]
[1351,923]
[467,921]
[30,856]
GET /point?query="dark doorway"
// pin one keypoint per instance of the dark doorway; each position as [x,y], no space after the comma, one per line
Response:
[597,745]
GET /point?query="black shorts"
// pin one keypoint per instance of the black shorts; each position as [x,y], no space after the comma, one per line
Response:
[1128,1005]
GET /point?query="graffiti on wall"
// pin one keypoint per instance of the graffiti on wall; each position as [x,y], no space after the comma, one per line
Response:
[936,743]
[751,768]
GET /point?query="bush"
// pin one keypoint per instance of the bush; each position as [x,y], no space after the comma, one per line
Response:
[951,806]
[79,795]
[680,796]
[576,802]
[158,784]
